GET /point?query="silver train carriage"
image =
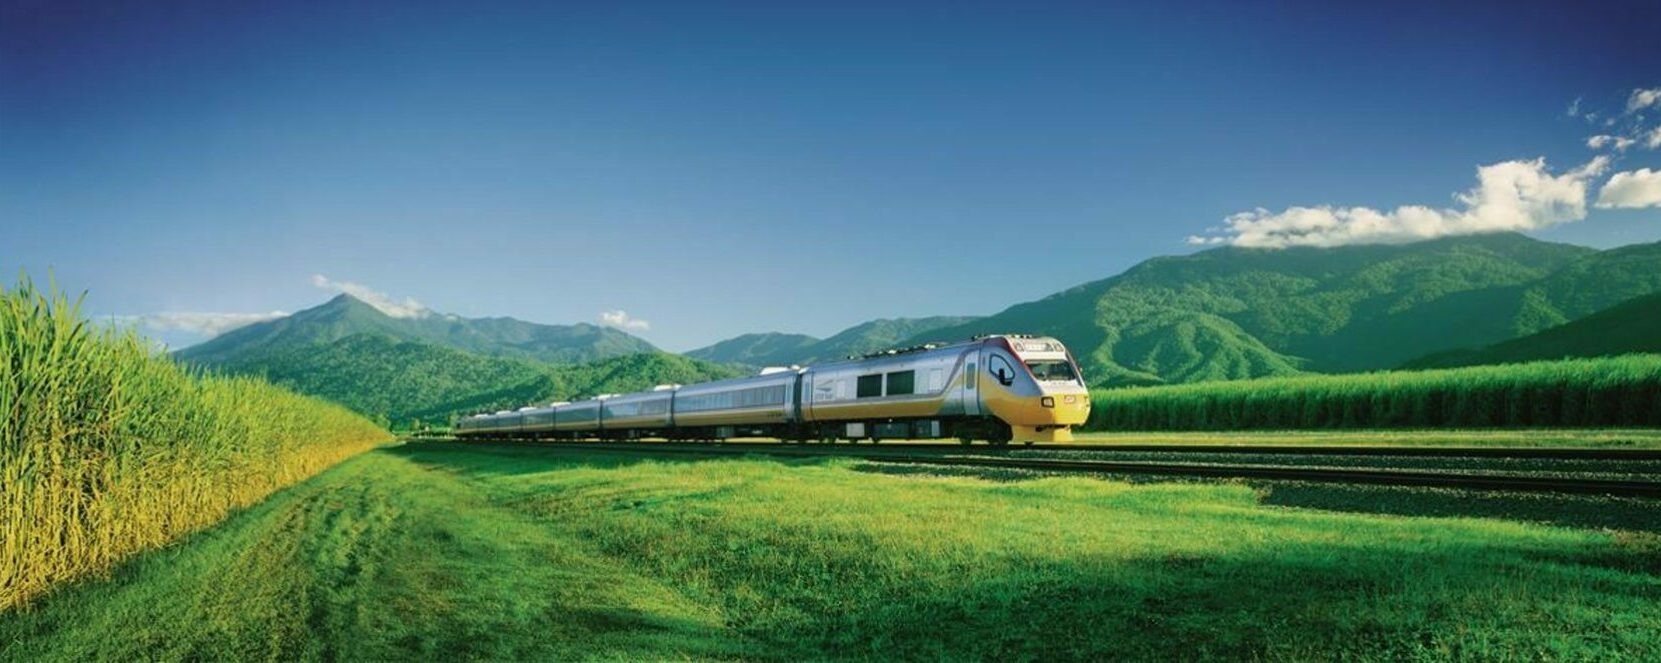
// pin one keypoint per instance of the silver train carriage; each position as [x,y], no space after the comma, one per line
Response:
[998,388]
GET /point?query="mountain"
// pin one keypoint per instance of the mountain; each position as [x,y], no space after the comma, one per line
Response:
[346,316]
[764,349]
[402,381]
[1233,313]
[1226,313]
[1628,327]
[1594,283]
[777,349]
[880,334]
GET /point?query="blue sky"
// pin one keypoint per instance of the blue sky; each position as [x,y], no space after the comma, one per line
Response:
[714,169]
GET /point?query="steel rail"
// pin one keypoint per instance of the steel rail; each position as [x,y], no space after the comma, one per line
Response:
[1553,453]
[1508,482]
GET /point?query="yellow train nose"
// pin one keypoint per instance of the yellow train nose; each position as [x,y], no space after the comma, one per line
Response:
[1066,409]
[1053,418]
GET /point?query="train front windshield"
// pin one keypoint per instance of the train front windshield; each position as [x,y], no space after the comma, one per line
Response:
[1052,370]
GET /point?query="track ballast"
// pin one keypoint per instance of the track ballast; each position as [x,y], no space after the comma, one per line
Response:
[998,458]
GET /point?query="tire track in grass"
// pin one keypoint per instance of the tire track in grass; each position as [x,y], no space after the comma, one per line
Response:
[379,558]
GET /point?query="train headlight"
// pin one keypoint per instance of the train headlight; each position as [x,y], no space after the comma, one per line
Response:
[1047,401]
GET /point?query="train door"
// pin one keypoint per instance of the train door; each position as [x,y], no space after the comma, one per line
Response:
[971,382]
[796,415]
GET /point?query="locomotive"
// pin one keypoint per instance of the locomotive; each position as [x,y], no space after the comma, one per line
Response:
[998,388]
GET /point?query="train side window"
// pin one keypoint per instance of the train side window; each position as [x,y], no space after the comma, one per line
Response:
[969,377]
[1000,368]
[902,382]
[870,386]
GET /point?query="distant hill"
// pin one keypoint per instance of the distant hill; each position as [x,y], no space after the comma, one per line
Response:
[346,316]
[432,365]
[764,349]
[1233,313]
[777,349]
[1629,327]
[403,380]
[882,334]
[1221,314]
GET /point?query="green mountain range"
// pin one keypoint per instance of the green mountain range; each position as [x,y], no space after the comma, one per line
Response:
[406,369]
[778,349]
[404,381]
[1629,327]
[763,349]
[1234,313]
[1227,313]
[345,316]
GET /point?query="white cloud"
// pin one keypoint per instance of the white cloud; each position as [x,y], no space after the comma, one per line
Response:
[199,324]
[1620,143]
[1509,196]
[1633,188]
[1642,98]
[1630,130]
[621,320]
[409,308]
[1574,107]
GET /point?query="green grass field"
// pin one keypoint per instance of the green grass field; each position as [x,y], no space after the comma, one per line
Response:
[442,550]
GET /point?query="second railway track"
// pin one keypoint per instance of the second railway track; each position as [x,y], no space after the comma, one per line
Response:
[950,456]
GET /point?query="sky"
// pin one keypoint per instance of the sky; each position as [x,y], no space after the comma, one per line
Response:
[692,171]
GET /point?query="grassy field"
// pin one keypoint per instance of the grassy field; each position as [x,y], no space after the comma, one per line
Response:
[108,448]
[1620,391]
[444,550]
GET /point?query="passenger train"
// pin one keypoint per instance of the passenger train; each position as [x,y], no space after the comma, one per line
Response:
[998,388]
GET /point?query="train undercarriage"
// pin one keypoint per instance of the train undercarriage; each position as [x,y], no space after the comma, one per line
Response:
[966,430]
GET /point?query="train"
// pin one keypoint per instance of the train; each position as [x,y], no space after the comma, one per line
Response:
[999,388]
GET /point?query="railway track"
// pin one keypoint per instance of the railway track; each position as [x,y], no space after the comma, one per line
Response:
[1543,453]
[978,457]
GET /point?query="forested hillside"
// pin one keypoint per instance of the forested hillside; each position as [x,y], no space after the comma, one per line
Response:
[346,316]
[402,382]
[777,349]
[1633,326]
[1234,313]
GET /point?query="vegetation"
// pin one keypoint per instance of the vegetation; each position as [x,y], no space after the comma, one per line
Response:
[422,370]
[1236,313]
[108,448]
[764,349]
[775,349]
[403,382]
[346,316]
[1218,315]
[1618,391]
[1629,327]
[1600,438]
[451,551]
